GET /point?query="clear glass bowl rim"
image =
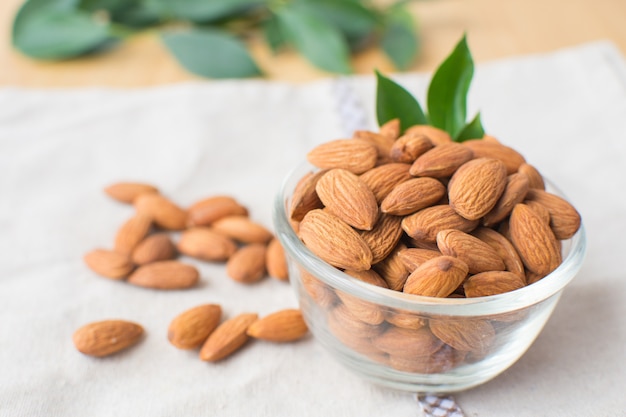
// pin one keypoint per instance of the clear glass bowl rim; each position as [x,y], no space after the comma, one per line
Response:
[478,306]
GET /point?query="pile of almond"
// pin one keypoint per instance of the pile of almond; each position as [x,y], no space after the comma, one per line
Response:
[215,229]
[422,214]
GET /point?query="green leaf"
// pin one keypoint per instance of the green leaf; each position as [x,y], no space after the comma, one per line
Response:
[273,35]
[447,93]
[472,130]
[201,10]
[55,30]
[126,12]
[318,41]
[393,101]
[352,18]
[399,38]
[211,53]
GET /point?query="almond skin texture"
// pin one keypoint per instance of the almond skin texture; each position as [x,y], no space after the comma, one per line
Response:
[275,261]
[229,337]
[157,247]
[441,161]
[163,212]
[492,283]
[383,237]
[370,276]
[348,198]
[409,147]
[192,327]
[484,149]
[514,193]
[247,265]
[466,335]
[126,192]
[478,255]
[535,179]
[412,195]
[104,338]
[208,210]
[381,142]
[354,155]
[412,258]
[408,343]
[564,219]
[305,198]
[426,223]
[334,241]
[391,129]
[363,310]
[534,240]
[503,247]
[436,135]
[204,243]
[165,275]
[131,233]
[476,186]
[283,326]
[382,179]
[108,263]
[392,270]
[438,277]
[242,229]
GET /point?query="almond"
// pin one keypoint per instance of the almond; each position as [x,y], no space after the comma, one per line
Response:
[534,240]
[412,195]
[564,219]
[405,319]
[229,337]
[381,142]
[365,311]
[475,187]
[345,325]
[108,263]
[392,270]
[408,343]
[540,209]
[441,161]
[485,149]
[444,359]
[535,179]
[157,247]
[426,223]
[354,155]
[242,229]
[438,277]
[514,193]
[208,210]
[334,241]
[383,237]
[305,198]
[436,135]
[503,247]
[106,337]
[382,179]
[369,276]
[204,243]
[319,292]
[275,261]
[390,129]
[283,326]
[247,265]
[412,258]
[126,192]
[192,327]
[131,233]
[348,198]
[492,283]
[409,147]
[478,255]
[163,212]
[464,334]
[165,275]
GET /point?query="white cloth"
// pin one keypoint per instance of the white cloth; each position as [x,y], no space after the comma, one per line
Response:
[565,111]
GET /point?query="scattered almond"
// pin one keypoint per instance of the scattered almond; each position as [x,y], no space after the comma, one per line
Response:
[109,263]
[104,338]
[208,210]
[165,275]
[242,229]
[161,210]
[227,338]
[247,265]
[157,247]
[283,326]
[192,327]
[206,244]
[275,261]
[132,233]
[126,192]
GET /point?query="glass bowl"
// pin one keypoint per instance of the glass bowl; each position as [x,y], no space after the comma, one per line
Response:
[388,337]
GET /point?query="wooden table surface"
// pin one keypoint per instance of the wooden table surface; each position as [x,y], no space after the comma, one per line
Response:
[495,28]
